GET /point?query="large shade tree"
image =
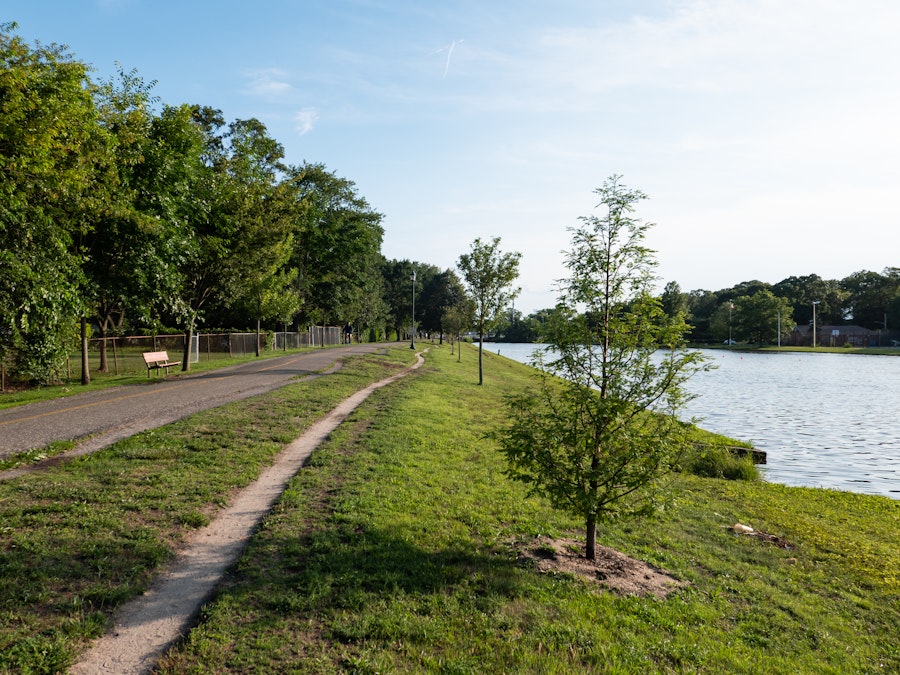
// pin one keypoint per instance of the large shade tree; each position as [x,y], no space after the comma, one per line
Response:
[598,432]
[51,148]
[336,244]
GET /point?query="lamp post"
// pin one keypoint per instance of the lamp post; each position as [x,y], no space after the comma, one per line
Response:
[815,302]
[412,332]
[730,307]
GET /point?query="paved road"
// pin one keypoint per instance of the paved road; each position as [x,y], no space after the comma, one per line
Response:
[109,415]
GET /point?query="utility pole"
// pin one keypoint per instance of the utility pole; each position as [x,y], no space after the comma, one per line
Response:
[815,302]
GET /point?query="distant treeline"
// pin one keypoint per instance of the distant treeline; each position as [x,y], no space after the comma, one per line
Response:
[752,310]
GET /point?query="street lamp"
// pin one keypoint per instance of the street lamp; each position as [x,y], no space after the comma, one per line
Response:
[412,333]
[815,302]
[730,307]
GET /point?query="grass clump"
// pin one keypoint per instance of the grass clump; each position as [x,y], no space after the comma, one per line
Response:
[717,458]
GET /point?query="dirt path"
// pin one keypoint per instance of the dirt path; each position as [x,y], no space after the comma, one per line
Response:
[145,627]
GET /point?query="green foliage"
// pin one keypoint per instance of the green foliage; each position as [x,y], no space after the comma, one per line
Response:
[337,241]
[598,431]
[50,146]
[489,275]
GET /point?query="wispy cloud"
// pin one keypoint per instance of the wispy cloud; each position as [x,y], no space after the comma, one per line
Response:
[305,120]
[269,83]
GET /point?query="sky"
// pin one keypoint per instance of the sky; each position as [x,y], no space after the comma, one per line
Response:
[765,133]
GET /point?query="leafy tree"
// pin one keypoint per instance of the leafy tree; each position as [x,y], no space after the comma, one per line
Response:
[440,292]
[513,327]
[869,294]
[674,302]
[756,317]
[368,310]
[259,207]
[457,318]
[126,250]
[721,323]
[801,292]
[598,432]
[397,275]
[50,148]
[337,242]
[702,305]
[489,275]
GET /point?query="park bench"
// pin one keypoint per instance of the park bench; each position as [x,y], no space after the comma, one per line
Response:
[157,360]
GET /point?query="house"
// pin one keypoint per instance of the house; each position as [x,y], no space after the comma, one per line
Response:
[835,336]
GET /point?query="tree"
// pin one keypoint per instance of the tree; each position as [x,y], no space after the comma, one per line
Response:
[124,252]
[869,294]
[756,317]
[458,318]
[50,148]
[489,275]
[674,302]
[337,243]
[801,292]
[440,292]
[598,432]
[398,290]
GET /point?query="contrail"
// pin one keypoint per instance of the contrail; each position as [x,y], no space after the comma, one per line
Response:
[449,54]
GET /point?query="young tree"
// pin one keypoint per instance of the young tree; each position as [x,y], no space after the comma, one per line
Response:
[598,432]
[456,319]
[489,275]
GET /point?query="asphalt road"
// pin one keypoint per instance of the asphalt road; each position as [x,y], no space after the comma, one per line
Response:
[104,417]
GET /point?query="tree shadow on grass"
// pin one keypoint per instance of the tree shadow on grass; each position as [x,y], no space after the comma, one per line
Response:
[364,584]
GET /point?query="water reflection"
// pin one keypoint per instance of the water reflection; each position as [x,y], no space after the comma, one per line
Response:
[825,420]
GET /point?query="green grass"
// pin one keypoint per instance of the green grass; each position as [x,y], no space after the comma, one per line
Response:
[875,351]
[79,539]
[394,550]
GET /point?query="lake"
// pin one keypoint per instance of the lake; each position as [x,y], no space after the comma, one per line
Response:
[825,420]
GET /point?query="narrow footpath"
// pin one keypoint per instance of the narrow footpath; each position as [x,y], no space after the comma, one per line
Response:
[145,627]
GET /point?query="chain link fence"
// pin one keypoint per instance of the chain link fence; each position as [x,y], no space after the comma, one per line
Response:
[124,354]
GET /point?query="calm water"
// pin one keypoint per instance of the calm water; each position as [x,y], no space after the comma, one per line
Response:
[825,420]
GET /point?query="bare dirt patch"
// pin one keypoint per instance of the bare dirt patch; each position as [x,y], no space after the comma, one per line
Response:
[611,569]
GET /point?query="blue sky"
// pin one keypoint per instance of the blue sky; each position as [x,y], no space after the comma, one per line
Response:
[766,133]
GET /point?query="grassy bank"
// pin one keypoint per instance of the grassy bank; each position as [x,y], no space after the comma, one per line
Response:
[396,550]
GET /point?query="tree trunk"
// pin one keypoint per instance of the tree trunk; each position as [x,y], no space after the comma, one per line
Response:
[85,365]
[590,547]
[257,338]
[104,361]
[480,348]
[188,338]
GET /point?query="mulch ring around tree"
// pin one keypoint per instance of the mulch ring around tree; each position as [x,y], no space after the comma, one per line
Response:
[611,569]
